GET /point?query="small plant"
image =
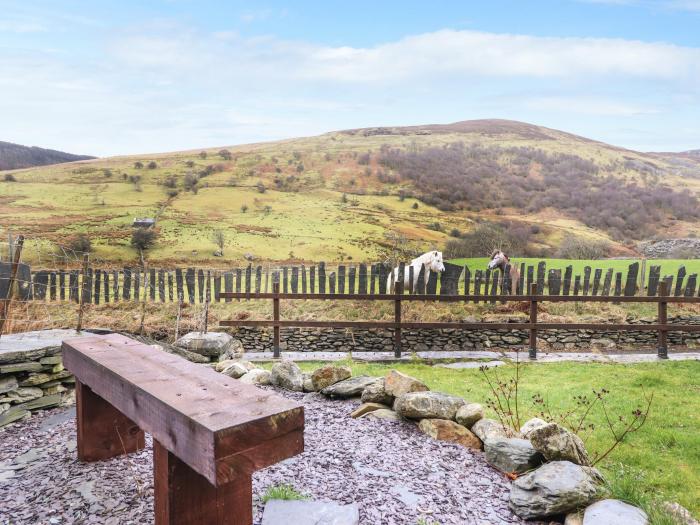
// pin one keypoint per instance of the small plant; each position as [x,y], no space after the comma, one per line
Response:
[425,521]
[244,208]
[219,238]
[284,491]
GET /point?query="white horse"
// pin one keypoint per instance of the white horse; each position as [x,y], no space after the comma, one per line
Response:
[500,260]
[429,261]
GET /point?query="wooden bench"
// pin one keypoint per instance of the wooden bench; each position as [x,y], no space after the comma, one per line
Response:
[210,432]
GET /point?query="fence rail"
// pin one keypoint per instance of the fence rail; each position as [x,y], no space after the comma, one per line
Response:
[199,285]
[533,326]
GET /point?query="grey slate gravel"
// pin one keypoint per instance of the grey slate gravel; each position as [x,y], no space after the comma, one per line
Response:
[393,472]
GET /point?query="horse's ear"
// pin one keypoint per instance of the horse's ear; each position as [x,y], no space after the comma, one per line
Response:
[435,254]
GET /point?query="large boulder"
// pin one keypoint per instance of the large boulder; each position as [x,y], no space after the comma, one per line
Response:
[555,488]
[446,430]
[352,387]
[680,513]
[397,384]
[329,375]
[469,414]
[256,376]
[234,350]
[487,429]
[376,393]
[558,444]
[428,405]
[288,375]
[512,455]
[210,344]
[614,511]
[530,425]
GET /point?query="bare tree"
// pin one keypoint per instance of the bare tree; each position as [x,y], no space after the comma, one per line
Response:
[219,238]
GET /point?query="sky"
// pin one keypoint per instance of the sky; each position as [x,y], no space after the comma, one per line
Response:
[113,78]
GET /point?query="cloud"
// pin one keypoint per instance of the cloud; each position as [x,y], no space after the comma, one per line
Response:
[445,52]
[670,5]
[587,105]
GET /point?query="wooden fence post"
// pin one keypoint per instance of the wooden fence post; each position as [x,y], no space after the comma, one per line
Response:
[7,302]
[276,317]
[398,289]
[83,292]
[533,321]
[662,320]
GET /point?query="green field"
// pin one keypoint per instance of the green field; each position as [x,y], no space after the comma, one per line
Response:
[664,454]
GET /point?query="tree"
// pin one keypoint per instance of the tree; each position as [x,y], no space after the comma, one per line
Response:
[143,238]
[202,154]
[225,154]
[152,165]
[219,238]
[138,164]
[9,177]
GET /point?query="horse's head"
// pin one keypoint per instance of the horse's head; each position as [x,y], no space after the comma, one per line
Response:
[436,263]
[498,259]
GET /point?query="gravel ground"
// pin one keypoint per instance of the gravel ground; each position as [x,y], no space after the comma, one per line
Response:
[392,471]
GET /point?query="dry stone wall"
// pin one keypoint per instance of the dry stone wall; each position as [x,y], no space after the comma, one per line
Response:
[375,340]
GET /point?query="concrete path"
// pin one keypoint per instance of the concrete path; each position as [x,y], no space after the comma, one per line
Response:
[477,358]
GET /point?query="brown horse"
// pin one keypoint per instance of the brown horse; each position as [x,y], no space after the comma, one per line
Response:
[500,260]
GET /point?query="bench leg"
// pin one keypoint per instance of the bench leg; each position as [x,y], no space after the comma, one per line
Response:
[184,497]
[103,431]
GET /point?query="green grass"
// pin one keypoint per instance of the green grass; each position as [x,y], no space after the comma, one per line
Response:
[666,451]
[284,491]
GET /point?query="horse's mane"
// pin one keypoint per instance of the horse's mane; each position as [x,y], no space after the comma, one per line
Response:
[493,254]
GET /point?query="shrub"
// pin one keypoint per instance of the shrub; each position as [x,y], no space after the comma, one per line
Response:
[244,208]
[414,206]
[435,226]
[487,236]
[80,244]
[9,177]
[454,232]
[152,165]
[202,154]
[582,248]
[260,187]
[189,164]
[190,181]
[138,164]
[225,154]
[170,181]
[143,238]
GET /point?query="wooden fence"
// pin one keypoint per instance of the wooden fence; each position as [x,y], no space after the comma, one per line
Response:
[534,297]
[199,285]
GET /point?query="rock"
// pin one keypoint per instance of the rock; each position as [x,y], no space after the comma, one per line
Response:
[302,512]
[222,365]
[8,384]
[375,393]
[383,413]
[42,402]
[558,444]
[51,360]
[4,407]
[555,488]
[235,370]
[397,384]
[487,429]
[530,425]
[11,368]
[679,512]
[288,375]
[469,414]
[23,394]
[366,408]
[234,350]
[352,387]
[512,455]
[428,405]
[613,511]
[12,415]
[446,430]
[574,518]
[256,376]
[210,344]
[307,383]
[329,375]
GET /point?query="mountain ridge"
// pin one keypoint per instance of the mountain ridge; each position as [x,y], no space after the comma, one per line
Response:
[16,156]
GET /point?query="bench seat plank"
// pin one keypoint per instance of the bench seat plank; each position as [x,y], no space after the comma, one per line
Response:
[220,427]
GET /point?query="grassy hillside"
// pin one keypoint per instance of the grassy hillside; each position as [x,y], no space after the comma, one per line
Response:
[348,195]
[14,156]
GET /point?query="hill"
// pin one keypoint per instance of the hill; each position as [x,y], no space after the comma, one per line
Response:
[15,156]
[358,194]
